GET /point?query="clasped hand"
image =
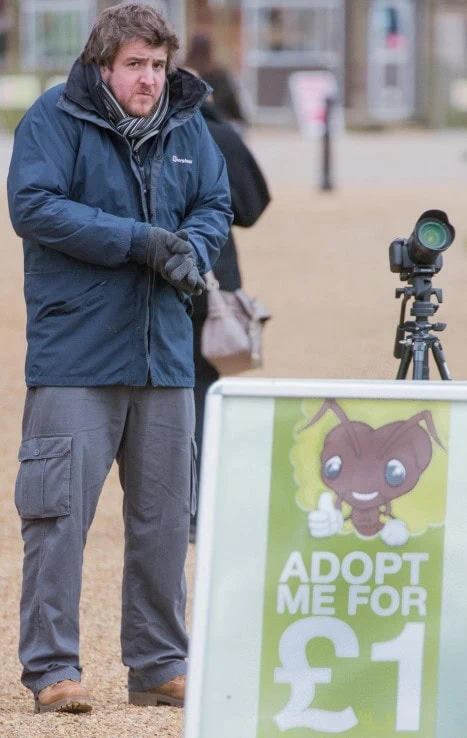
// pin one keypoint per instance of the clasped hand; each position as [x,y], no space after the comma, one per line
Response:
[171,255]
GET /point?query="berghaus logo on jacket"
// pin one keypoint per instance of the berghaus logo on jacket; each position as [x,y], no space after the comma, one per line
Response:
[181,161]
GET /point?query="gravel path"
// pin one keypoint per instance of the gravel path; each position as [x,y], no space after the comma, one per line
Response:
[319,261]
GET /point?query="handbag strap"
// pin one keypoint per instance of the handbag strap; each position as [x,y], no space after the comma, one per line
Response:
[211,281]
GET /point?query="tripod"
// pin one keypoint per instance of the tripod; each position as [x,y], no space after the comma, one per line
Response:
[414,339]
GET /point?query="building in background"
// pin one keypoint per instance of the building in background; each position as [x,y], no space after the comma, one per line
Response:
[48,35]
[51,34]
[382,86]
[379,51]
[284,37]
[395,61]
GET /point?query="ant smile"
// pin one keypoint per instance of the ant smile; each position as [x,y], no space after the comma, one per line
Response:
[365,498]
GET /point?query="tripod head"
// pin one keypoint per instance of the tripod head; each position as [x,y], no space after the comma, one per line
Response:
[421,290]
[417,259]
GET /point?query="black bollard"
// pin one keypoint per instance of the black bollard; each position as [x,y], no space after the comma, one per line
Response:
[326,174]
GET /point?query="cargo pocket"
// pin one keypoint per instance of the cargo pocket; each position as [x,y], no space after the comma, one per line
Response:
[194,479]
[43,488]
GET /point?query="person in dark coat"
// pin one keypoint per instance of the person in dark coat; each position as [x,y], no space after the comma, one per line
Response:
[200,57]
[122,200]
[249,198]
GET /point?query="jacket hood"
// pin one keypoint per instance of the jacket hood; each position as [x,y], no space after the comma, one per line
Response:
[185,90]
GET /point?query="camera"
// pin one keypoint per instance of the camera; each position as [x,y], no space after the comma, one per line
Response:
[417,259]
[422,251]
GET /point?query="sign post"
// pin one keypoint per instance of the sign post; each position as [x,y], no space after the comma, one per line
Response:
[315,100]
[330,595]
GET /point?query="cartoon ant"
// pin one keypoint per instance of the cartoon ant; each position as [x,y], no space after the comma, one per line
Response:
[368,468]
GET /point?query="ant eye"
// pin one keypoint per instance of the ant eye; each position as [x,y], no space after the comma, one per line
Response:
[395,473]
[332,467]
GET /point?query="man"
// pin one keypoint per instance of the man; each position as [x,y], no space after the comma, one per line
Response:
[122,201]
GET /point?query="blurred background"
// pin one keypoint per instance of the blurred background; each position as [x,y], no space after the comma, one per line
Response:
[395,61]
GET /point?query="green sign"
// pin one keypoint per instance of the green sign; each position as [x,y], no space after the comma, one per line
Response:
[354,569]
[330,594]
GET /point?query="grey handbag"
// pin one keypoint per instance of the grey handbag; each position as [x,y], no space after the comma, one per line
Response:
[231,337]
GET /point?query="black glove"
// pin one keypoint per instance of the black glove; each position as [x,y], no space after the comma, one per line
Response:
[171,255]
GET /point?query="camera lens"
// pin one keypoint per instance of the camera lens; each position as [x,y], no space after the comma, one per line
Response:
[433,235]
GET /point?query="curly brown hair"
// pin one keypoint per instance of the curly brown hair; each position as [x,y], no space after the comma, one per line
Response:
[122,23]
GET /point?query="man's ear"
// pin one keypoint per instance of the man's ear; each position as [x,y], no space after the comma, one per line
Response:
[105,71]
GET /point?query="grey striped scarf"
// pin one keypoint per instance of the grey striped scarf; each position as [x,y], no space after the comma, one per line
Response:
[137,130]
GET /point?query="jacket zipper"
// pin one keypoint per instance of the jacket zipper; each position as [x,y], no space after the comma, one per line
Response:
[135,157]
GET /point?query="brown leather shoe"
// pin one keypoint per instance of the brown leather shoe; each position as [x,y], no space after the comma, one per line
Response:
[171,693]
[65,696]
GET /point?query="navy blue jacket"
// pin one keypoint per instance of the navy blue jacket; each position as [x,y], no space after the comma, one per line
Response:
[77,198]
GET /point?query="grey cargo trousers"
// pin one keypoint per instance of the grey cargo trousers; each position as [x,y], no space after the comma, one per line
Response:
[71,436]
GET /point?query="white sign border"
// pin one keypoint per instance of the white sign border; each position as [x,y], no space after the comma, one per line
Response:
[351,388]
[450,391]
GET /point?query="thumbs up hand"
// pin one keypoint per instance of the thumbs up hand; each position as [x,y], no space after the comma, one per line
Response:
[395,533]
[326,520]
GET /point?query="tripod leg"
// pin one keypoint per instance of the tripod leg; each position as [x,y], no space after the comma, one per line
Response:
[420,360]
[405,361]
[440,360]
